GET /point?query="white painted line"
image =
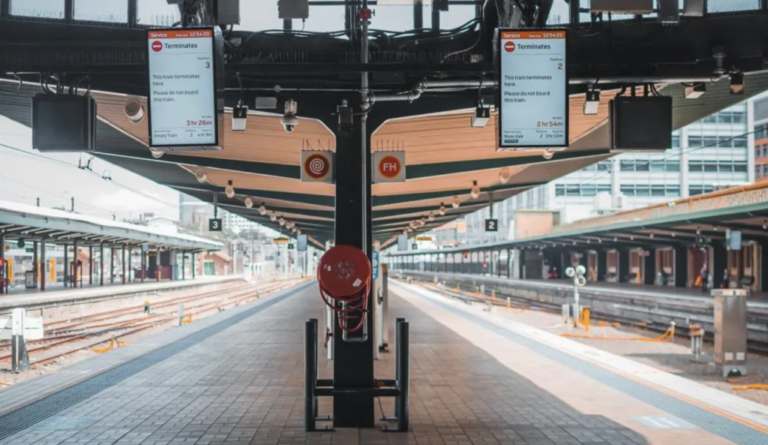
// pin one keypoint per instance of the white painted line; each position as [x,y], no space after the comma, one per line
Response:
[718,400]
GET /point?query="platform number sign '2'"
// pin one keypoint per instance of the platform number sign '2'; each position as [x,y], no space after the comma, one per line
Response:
[491,225]
[214,225]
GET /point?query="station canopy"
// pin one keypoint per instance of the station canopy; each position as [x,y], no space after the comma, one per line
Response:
[445,156]
[30,223]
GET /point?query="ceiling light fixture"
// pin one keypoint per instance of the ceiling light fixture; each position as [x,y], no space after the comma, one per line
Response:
[442,209]
[505,175]
[248,202]
[281,221]
[201,176]
[262,209]
[592,100]
[272,216]
[229,190]
[431,216]
[456,202]
[475,191]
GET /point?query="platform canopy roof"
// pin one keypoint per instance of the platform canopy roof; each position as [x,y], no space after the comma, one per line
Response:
[701,219]
[444,154]
[26,222]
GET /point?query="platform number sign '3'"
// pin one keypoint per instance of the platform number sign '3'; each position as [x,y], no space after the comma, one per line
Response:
[491,225]
[214,225]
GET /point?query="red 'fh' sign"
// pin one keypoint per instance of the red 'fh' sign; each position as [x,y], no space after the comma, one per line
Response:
[390,166]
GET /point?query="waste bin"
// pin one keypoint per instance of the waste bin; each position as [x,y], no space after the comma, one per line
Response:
[731,330]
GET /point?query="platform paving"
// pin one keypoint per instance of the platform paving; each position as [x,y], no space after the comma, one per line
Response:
[243,385]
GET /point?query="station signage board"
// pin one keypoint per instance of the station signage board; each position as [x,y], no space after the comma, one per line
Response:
[215,225]
[182,102]
[301,243]
[423,238]
[316,166]
[280,240]
[491,225]
[402,243]
[533,89]
[388,166]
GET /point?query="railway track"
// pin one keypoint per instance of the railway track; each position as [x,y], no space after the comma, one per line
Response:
[683,314]
[86,332]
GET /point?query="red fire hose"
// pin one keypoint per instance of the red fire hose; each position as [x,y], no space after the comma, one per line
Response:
[344,274]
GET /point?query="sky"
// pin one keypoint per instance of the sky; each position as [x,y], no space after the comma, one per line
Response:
[26,174]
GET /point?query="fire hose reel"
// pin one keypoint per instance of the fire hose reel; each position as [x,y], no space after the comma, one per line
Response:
[344,274]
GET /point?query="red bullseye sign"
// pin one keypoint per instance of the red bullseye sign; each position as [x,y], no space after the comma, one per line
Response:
[157,46]
[390,166]
[509,46]
[316,166]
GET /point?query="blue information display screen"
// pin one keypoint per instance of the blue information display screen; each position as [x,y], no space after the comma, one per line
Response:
[533,88]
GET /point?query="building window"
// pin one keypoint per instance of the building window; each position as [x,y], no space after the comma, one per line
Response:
[761,131]
[637,165]
[581,189]
[700,189]
[717,166]
[675,140]
[717,141]
[650,190]
[725,117]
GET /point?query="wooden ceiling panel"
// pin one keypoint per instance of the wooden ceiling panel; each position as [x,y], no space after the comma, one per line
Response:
[263,140]
[484,178]
[449,137]
[260,182]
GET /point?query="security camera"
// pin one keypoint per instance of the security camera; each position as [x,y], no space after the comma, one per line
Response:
[134,110]
[289,120]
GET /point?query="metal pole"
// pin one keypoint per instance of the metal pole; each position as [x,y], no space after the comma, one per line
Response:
[90,265]
[101,263]
[574,12]
[42,263]
[310,373]
[398,366]
[66,266]
[112,265]
[404,383]
[122,261]
[35,266]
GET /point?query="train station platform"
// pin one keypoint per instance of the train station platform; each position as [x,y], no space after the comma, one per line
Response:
[34,298]
[236,378]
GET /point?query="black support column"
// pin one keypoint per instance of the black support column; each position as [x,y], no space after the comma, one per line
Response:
[602,265]
[719,262]
[353,361]
[649,276]
[681,266]
[623,257]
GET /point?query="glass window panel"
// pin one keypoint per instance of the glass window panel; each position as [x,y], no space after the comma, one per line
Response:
[673,166]
[710,167]
[627,166]
[725,167]
[114,11]
[694,141]
[642,166]
[695,167]
[740,142]
[657,192]
[47,9]
[732,5]
[154,13]
[740,167]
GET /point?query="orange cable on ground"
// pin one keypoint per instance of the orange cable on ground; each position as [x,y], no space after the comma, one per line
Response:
[665,337]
